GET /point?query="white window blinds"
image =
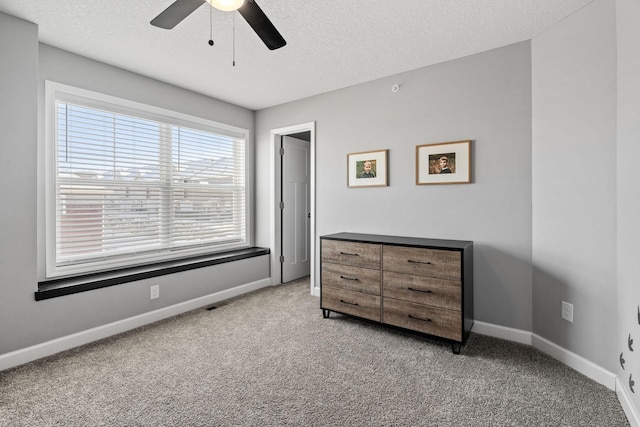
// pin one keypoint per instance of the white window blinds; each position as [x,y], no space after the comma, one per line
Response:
[130,188]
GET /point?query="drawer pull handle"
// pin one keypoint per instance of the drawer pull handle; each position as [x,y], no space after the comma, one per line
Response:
[349,278]
[348,303]
[418,318]
[347,253]
[420,290]
[418,262]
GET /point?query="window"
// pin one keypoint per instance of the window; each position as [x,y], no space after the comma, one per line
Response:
[129,184]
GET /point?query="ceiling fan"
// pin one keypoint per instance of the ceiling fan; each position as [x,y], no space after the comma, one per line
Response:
[249,10]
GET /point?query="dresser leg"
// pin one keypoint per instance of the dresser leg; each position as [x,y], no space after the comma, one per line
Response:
[325,313]
[453,348]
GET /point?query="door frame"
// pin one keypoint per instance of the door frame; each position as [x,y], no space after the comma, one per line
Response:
[275,190]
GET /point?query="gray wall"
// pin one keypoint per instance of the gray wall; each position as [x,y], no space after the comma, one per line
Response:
[23,321]
[628,16]
[18,109]
[486,98]
[574,182]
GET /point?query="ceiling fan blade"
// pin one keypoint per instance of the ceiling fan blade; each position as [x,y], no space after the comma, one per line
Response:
[263,27]
[175,13]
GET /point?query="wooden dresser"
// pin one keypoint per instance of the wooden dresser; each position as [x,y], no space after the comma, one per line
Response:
[424,285]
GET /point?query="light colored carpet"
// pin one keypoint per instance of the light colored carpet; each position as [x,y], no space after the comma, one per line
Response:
[270,359]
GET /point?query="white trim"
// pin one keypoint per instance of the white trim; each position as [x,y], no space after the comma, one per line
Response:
[579,363]
[275,243]
[60,92]
[627,404]
[502,332]
[19,357]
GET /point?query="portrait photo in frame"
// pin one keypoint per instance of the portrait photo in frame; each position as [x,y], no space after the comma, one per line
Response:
[367,169]
[443,163]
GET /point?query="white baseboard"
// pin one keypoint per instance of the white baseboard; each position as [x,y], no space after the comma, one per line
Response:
[579,363]
[627,406]
[502,332]
[22,356]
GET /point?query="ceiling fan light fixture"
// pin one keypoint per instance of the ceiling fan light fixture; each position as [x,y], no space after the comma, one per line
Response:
[226,5]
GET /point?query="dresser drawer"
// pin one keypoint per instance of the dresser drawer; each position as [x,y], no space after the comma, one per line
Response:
[422,290]
[423,318]
[351,253]
[423,261]
[351,302]
[351,278]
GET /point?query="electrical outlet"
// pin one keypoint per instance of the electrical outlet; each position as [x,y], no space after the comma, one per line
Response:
[567,311]
[154,292]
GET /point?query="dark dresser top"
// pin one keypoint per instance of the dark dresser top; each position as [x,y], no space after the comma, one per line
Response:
[400,240]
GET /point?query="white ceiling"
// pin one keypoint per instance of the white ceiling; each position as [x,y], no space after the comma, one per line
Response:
[331,44]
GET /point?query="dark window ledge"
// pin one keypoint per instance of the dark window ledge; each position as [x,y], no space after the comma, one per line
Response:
[71,285]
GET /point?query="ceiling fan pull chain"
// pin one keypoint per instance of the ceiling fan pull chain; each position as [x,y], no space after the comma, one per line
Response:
[211,42]
[234,39]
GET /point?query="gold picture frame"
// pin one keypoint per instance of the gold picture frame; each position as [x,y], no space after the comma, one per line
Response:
[367,169]
[443,163]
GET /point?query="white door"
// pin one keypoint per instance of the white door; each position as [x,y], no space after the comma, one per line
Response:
[296,208]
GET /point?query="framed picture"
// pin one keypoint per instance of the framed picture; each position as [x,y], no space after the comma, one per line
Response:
[367,169]
[443,163]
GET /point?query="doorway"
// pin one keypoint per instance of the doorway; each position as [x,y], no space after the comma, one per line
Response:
[293,204]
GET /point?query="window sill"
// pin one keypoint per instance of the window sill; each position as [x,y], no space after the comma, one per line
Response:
[70,285]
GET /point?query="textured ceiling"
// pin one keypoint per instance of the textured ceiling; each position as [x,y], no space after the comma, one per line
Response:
[330,43]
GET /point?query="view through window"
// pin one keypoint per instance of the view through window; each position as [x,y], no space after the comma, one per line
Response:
[129,189]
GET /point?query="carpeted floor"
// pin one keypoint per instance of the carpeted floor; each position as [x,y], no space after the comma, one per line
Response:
[270,359]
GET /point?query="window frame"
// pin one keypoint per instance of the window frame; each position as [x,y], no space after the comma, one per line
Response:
[55,92]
